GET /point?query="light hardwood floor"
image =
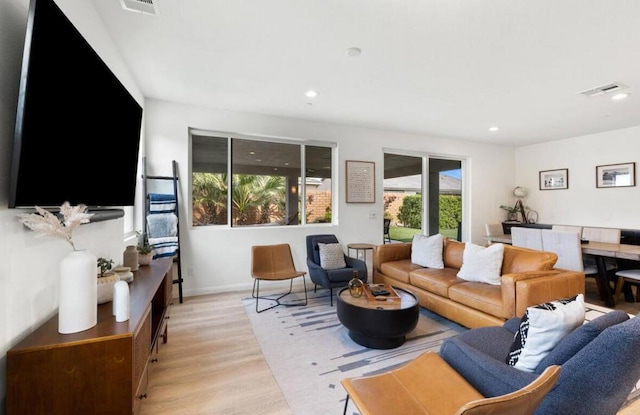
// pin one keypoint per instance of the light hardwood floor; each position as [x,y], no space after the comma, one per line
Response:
[212,363]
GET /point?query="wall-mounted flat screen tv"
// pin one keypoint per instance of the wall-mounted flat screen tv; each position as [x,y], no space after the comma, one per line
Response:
[77,133]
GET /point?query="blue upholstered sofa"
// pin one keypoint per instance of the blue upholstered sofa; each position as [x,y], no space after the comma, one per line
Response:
[600,364]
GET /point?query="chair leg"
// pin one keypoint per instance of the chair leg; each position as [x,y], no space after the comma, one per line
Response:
[619,284]
[331,295]
[255,293]
[346,403]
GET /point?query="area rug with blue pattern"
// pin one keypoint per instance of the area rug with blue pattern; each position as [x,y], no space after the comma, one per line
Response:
[309,351]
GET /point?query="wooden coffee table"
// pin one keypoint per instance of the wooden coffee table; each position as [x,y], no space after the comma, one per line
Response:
[378,325]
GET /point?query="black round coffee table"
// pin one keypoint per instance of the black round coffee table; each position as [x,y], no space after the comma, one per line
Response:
[378,325]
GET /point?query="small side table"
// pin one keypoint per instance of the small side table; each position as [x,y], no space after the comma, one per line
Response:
[364,248]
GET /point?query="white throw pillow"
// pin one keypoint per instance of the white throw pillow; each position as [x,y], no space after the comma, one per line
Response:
[482,264]
[541,329]
[427,251]
[331,256]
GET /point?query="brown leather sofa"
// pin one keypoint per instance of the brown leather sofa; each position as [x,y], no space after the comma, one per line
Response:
[528,278]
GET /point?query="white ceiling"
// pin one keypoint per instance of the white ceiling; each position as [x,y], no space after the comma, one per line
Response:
[448,68]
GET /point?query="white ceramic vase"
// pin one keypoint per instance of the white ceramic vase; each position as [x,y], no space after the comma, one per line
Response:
[78,308]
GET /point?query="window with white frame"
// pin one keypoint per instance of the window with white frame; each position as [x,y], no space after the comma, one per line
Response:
[250,181]
[422,194]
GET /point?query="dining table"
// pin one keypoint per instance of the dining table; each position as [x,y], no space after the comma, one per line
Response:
[600,251]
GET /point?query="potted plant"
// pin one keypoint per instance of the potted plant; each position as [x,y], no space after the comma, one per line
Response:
[145,251]
[512,212]
[106,280]
[104,265]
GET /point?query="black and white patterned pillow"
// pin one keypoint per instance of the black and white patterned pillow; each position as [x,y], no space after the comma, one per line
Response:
[331,256]
[541,329]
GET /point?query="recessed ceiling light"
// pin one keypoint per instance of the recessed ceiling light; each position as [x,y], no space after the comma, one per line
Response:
[353,52]
[252,152]
[493,129]
[622,95]
[311,93]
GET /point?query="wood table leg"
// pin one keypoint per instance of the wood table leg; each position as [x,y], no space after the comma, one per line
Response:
[603,282]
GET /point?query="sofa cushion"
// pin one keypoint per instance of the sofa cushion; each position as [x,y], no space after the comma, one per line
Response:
[331,256]
[427,250]
[399,270]
[433,280]
[482,264]
[340,275]
[494,341]
[517,259]
[452,253]
[542,327]
[480,296]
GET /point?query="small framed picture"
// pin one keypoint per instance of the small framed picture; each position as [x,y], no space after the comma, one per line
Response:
[616,175]
[554,179]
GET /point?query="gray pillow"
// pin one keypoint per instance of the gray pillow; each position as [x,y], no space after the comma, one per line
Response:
[331,256]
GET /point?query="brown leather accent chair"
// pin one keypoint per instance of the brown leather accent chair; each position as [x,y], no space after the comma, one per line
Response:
[428,385]
[274,263]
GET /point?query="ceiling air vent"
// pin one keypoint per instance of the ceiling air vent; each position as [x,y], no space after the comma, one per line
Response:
[603,89]
[140,6]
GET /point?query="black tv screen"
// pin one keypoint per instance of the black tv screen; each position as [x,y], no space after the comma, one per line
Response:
[77,132]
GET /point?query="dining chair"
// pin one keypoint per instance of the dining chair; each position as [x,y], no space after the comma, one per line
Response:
[526,237]
[567,228]
[493,229]
[607,235]
[627,276]
[567,246]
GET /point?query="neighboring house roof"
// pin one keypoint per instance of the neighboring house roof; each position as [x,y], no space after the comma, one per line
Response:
[448,184]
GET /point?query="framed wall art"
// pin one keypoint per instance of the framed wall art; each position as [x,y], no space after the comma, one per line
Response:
[616,175]
[361,181]
[554,179]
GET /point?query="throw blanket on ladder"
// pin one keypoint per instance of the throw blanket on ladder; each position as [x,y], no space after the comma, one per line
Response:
[163,247]
[162,224]
[161,203]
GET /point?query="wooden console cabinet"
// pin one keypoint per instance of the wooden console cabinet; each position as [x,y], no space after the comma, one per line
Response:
[103,370]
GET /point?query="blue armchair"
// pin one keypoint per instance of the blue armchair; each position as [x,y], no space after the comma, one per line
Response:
[332,278]
[599,361]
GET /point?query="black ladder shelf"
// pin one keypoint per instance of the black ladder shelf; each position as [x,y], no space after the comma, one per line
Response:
[147,204]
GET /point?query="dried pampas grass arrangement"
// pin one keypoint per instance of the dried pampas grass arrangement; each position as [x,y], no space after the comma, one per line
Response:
[45,223]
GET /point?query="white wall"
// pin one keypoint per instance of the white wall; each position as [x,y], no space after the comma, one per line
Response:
[29,271]
[582,203]
[218,258]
